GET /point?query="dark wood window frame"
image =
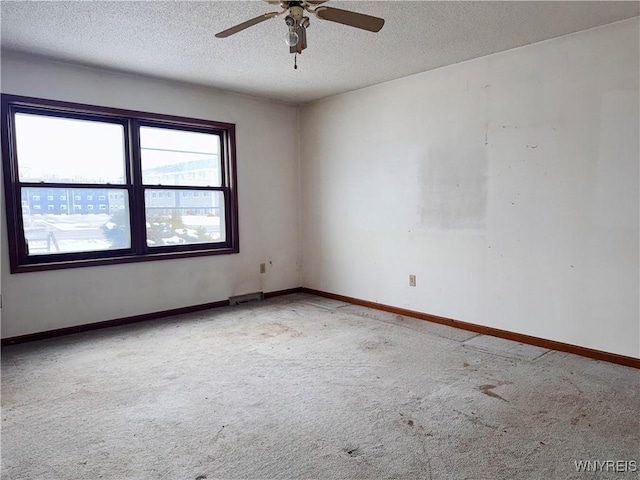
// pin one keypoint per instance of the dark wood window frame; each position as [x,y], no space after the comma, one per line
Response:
[139,251]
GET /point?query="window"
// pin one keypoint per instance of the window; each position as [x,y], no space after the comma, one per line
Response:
[49,197]
[49,207]
[137,158]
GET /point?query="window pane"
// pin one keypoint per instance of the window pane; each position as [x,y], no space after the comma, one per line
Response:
[175,218]
[53,149]
[176,157]
[65,226]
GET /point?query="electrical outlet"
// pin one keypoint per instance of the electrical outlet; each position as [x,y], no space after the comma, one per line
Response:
[263,268]
[412,280]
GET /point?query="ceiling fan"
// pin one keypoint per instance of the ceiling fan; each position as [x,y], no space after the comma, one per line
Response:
[297,23]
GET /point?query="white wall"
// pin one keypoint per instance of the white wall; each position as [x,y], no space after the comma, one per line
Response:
[507,184]
[268,182]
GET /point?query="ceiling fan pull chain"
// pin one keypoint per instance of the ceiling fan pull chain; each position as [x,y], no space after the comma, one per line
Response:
[295,61]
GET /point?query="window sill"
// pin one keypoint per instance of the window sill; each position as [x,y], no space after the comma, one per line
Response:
[38,267]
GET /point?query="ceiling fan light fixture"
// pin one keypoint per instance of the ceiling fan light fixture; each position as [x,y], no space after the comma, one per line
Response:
[291,38]
[294,11]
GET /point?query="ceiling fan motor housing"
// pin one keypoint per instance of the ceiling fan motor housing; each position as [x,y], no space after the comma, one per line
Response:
[297,12]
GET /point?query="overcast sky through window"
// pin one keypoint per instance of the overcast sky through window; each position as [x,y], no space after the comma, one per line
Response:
[66,149]
[63,149]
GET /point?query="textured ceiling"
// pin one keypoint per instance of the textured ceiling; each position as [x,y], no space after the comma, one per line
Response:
[175,39]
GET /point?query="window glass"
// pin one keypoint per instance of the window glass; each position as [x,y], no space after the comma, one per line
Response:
[176,157]
[54,149]
[175,221]
[60,231]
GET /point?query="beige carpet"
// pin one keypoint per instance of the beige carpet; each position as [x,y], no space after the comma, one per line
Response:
[297,387]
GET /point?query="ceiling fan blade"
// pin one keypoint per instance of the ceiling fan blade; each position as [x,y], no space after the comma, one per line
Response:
[247,24]
[353,19]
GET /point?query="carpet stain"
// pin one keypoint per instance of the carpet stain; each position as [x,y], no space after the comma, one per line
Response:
[275,329]
[215,439]
[573,385]
[476,420]
[575,420]
[353,452]
[418,430]
[201,477]
[486,389]
[379,344]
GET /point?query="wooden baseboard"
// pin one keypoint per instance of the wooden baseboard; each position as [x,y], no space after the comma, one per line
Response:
[495,332]
[279,293]
[31,337]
